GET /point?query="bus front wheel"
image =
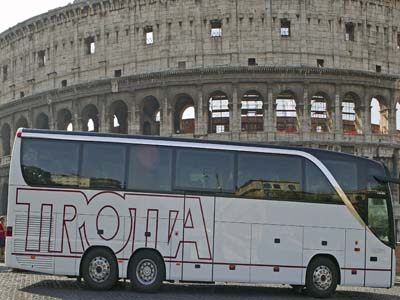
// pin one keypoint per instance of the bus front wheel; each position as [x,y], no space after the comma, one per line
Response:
[322,277]
[100,269]
[147,271]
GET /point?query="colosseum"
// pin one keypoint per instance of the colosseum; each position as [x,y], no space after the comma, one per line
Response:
[315,73]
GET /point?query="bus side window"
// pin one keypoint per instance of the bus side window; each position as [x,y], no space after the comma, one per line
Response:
[103,166]
[204,170]
[150,168]
[317,187]
[42,166]
[269,176]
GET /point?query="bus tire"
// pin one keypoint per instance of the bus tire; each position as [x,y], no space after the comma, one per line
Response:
[100,269]
[147,271]
[322,277]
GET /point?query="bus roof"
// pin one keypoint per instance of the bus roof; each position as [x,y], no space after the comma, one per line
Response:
[311,151]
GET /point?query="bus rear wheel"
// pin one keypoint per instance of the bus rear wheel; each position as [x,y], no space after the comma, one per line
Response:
[322,277]
[147,271]
[100,269]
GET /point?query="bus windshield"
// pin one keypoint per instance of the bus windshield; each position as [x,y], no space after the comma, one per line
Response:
[370,198]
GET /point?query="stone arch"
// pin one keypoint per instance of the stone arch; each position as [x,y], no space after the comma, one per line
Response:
[150,116]
[119,117]
[21,123]
[90,118]
[64,120]
[252,112]
[379,115]
[218,113]
[184,114]
[286,112]
[42,121]
[321,113]
[5,140]
[351,114]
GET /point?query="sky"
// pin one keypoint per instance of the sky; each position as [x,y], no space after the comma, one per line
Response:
[16,11]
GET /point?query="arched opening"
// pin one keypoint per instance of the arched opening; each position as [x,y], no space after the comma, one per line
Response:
[252,112]
[379,116]
[184,115]
[90,118]
[64,120]
[350,118]
[286,113]
[218,110]
[21,123]
[119,119]
[5,140]
[42,121]
[320,114]
[151,116]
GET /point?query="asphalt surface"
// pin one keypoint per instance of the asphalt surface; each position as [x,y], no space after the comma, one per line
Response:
[18,285]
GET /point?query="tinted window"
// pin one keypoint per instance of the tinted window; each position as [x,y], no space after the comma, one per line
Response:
[50,163]
[103,166]
[269,176]
[317,188]
[204,170]
[150,168]
[369,197]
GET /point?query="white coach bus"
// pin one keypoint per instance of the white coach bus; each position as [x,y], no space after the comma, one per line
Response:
[105,207]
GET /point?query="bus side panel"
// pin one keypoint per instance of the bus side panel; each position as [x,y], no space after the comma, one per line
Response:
[277,254]
[232,252]
[355,258]
[378,262]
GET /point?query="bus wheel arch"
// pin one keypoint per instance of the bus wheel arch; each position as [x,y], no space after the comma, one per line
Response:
[322,275]
[150,260]
[99,268]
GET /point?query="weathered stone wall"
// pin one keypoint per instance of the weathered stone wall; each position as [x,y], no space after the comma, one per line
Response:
[182,33]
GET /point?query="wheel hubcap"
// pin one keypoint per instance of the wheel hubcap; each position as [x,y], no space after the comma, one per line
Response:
[99,269]
[322,278]
[146,272]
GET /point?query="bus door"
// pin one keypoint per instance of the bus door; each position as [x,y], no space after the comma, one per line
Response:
[378,264]
[198,228]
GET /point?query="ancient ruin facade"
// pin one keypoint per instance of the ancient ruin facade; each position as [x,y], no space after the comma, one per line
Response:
[315,73]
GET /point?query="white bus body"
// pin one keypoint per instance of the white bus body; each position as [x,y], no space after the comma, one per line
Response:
[207,236]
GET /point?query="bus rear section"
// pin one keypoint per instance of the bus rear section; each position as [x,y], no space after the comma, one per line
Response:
[106,207]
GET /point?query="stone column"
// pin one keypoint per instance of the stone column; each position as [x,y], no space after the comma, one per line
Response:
[366,118]
[103,121]
[306,115]
[269,119]
[166,124]
[200,114]
[235,120]
[338,108]
[131,116]
[392,114]
[76,119]
[206,112]
[52,118]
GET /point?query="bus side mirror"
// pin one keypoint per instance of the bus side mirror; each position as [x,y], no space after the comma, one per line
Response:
[384,179]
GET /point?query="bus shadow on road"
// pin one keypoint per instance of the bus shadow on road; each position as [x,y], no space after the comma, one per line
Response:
[71,290]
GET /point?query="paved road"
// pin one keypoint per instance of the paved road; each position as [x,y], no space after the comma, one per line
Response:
[24,286]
